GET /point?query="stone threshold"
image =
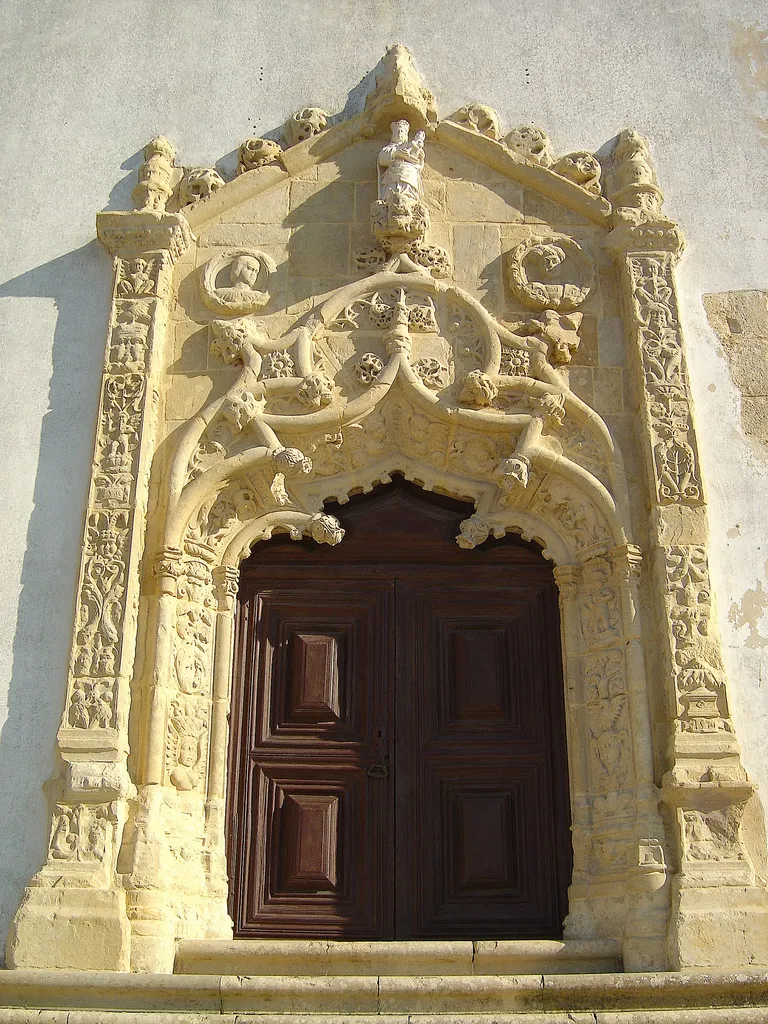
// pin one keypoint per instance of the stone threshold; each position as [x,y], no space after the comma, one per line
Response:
[444,958]
[68,997]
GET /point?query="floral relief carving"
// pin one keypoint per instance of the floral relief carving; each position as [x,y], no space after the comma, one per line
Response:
[256,153]
[367,368]
[577,518]
[551,272]
[278,364]
[304,124]
[531,143]
[609,717]
[121,412]
[197,184]
[675,460]
[432,372]
[245,270]
[516,362]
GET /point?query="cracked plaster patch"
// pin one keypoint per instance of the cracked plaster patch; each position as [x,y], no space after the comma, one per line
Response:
[740,320]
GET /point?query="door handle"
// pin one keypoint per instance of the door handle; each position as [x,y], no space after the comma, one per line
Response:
[378,771]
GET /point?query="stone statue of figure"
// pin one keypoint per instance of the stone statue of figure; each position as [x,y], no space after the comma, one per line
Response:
[401,162]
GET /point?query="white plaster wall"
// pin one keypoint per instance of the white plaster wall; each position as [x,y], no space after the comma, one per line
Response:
[85,84]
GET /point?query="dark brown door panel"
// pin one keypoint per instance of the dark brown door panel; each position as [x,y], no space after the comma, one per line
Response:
[397,753]
[315,837]
[482,864]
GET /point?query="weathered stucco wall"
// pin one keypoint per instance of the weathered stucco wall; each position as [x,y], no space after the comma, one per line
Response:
[84,90]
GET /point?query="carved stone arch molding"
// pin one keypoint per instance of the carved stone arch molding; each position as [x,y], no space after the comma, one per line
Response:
[266,354]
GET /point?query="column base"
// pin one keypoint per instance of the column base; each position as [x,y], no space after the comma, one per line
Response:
[718,927]
[75,929]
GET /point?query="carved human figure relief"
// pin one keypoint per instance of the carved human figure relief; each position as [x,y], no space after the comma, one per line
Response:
[130,331]
[155,177]
[479,118]
[186,750]
[550,272]
[80,833]
[582,168]
[237,281]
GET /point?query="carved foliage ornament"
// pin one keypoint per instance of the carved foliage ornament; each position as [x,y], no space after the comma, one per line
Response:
[668,399]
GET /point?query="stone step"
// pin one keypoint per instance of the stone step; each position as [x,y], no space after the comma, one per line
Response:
[96,997]
[444,958]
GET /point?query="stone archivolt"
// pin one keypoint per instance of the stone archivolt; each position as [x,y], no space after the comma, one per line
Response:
[394,366]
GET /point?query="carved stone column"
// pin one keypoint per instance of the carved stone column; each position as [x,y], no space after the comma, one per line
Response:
[615,817]
[73,915]
[719,916]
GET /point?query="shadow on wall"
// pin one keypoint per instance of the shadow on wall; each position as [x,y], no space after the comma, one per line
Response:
[79,282]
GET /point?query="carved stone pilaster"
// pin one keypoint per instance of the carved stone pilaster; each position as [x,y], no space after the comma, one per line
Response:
[93,738]
[706,787]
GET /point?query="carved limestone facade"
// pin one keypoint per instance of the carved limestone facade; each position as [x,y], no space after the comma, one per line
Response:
[396,294]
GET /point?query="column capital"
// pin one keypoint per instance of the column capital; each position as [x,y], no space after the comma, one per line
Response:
[226,580]
[141,231]
[644,237]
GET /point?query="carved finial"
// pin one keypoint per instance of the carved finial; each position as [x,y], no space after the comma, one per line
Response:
[155,184]
[400,92]
[632,181]
[639,222]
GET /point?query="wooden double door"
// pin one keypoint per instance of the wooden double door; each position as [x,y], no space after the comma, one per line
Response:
[398,763]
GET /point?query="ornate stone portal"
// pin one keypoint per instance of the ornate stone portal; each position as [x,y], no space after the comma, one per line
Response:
[265,354]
